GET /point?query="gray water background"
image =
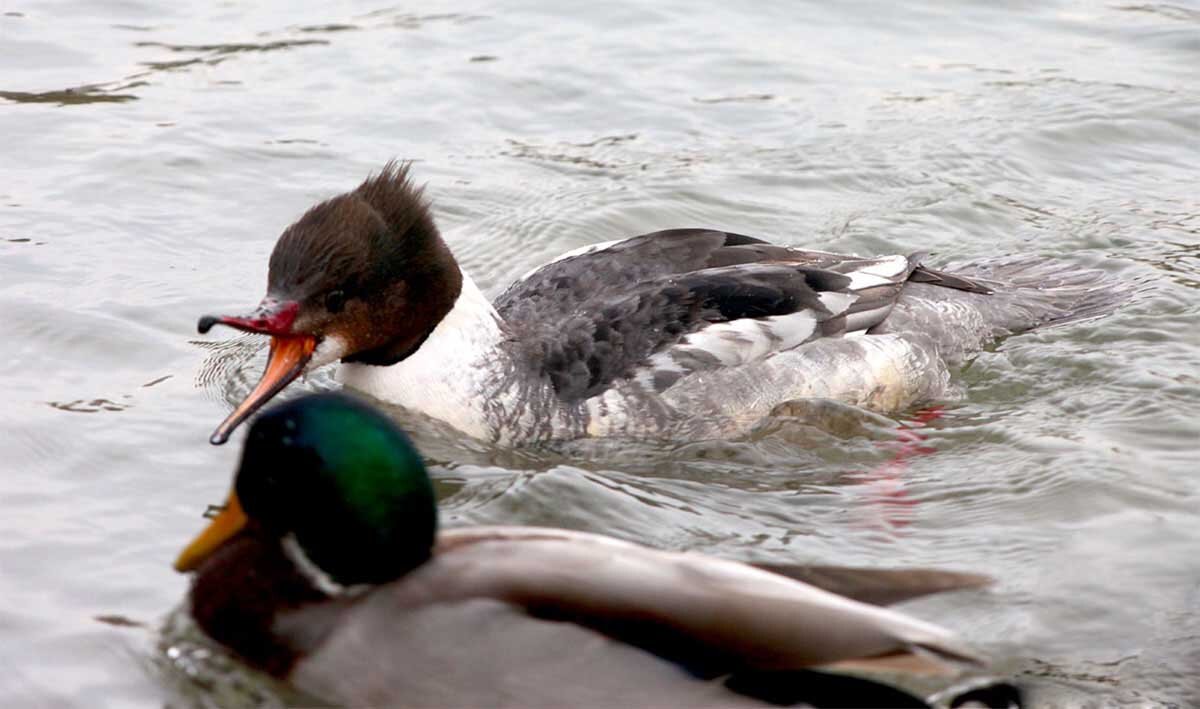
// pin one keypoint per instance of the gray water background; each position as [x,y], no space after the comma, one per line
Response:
[150,153]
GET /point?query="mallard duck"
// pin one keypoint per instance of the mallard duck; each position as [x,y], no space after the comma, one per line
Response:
[680,334]
[326,568]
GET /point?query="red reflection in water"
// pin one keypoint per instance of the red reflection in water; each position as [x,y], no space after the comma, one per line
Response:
[889,506]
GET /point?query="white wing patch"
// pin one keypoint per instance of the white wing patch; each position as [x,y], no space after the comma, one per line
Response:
[880,272]
[837,302]
[728,344]
[741,341]
[731,344]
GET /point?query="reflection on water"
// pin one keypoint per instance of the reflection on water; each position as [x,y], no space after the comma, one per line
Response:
[1066,470]
[91,406]
[73,96]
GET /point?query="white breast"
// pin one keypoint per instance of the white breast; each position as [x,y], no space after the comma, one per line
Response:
[446,377]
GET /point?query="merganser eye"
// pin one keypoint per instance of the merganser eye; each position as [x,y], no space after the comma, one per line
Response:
[335,300]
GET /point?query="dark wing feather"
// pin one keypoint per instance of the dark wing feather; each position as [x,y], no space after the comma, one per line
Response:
[921,274]
[558,288]
[595,317]
[585,352]
[587,320]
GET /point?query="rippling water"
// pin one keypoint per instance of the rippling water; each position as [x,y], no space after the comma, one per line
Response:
[153,152]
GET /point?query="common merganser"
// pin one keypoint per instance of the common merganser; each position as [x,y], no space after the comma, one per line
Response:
[679,334]
[326,569]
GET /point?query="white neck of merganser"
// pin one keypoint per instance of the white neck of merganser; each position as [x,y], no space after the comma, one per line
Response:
[448,375]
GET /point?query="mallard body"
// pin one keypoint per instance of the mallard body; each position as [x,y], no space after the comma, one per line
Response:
[325,570]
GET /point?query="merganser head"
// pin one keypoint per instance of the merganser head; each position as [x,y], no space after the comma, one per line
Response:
[361,277]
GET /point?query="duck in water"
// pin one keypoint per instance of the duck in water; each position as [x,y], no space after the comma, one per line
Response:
[680,334]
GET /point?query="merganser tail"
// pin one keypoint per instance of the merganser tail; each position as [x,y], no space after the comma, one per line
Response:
[1027,293]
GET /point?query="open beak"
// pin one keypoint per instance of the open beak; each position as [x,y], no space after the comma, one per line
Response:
[290,352]
[227,524]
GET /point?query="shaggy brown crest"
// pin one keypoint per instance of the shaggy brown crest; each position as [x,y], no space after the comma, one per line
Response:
[355,241]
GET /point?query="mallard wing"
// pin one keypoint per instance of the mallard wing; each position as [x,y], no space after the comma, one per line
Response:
[530,616]
[879,587]
[726,611]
